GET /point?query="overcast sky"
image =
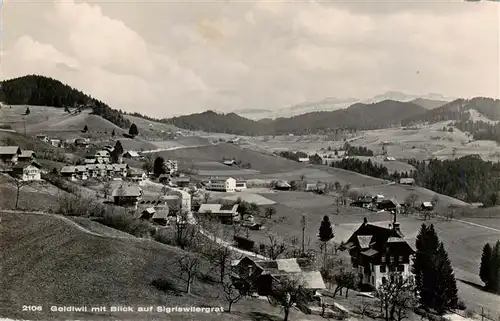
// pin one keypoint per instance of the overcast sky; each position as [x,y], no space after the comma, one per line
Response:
[165,58]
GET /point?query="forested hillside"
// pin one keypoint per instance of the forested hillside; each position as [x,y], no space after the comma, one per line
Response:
[480,130]
[459,110]
[359,116]
[44,91]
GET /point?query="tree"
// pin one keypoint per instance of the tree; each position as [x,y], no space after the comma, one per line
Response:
[325,230]
[275,247]
[66,109]
[27,112]
[85,129]
[113,134]
[189,269]
[396,295]
[289,290]
[303,224]
[411,199]
[485,267]
[232,293]
[106,189]
[446,295]
[494,278]
[206,197]
[133,131]
[426,245]
[147,163]
[270,211]
[344,279]
[494,198]
[159,166]
[19,184]
[117,152]
[435,199]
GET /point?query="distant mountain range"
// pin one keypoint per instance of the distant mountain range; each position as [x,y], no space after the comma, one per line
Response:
[428,101]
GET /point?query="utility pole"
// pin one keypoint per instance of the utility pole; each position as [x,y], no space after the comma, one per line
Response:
[303,224]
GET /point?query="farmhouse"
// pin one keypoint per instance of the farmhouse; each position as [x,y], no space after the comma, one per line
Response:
[82,172]
[225,213]
[136,175]
[82,142]
[164,178]
[42,137]
[222,184]
[28,171]
[102,156]
[426,206]
[390,159]
[160,215]
[172,166]
[283,186]
[364,202]
[303,159]
[120,169]
[9,154]
[26,156]
[240,185]
[55,142]
[69,172]
[147,213]
[388,205]
[127,195]
[262,276]
[229,162]
[377,251]
[407,181]
[181,181]
[131,154]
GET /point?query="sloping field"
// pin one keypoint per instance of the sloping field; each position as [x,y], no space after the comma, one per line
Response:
[392,166]
[215,153]
[47,261]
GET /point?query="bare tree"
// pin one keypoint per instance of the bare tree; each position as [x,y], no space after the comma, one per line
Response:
[206,197]
[435,199]
[288,291]
[18,184]
[411,199]
[106,189]
[303,224]
[396,295]
[189,267]
[364,307]
[275,248]
[231,292]
[270,211]
[220,257]
[345,279]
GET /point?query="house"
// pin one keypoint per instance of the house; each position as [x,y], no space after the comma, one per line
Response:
[477,205]
[9,154]
[363,202]
[222,184]
[160,217]
[127,195]
[102,156]
[147,213]
[55,142]
[229,162]
[378,198]
[69,172]
[377,250]
[303,159]
[388,205]
[407,181]
[164,178]
[82,142]
[26,156]
[120,170]
[426,206]
[283,186]
[172,166]
[43,138]
[311,187]
[131,154]
[240,185]
[89,160]
[82,172]
[225,213]
[181,181]
[136,175]
[261,277]
[28,171]
[390,159]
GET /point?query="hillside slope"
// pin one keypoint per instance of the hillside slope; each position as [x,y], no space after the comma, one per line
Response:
[429,103]
[47,261]
[44,91]
[358,116]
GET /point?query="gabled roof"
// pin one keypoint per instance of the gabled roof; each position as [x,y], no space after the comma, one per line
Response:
[102,153]
[22,165]
[120,166]
[68,169]
[364,241]
[218,208]
[220,179]
[185,179]
[81,168]
[161,213]
[27,154]
[90,160]
[127,191]
[150,210]
[131,153]
[10,150]
[427,204]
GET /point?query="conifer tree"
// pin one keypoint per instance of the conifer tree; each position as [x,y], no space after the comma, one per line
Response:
[325,230]
[113,133]
[484,269]
[446,294]
[494,279]
[85,129]
[27,112]
[133,131]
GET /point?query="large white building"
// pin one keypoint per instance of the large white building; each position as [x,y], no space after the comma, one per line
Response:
[28,171]
[222,184]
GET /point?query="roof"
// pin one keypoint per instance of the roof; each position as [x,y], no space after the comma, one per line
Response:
[135,172]
[22,165]
[406,180]
[364,241]
[120,166]
[427,204]
[161,213]
[370,252]
[27,153]
[312,279]
[127,190]
[310,187]
[102,153]
[68,169]
[218,208]
[283,184]
[90,160]
[81,168]
[132,153]
[10,150]
[149,210]
[182,179]
[220,179]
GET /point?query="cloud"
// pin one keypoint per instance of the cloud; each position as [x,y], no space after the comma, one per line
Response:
[173,58]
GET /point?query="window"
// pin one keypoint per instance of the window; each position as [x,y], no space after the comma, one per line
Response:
[383,259]
[401,268]
[392,258]
[400,258]
[392,268]
[383,269]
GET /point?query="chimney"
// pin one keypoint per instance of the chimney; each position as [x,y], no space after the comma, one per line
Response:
[396,227]
[365,221]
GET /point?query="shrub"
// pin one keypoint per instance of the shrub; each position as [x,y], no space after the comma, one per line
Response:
[461,305]
[164,285]
[469,313]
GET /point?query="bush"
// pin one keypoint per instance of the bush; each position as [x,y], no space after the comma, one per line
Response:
[78,205]
[164,285]
[469,313]
[461,305]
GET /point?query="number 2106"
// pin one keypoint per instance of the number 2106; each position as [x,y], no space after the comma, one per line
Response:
[32,308]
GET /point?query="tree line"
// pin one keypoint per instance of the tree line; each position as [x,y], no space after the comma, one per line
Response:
[45,91]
